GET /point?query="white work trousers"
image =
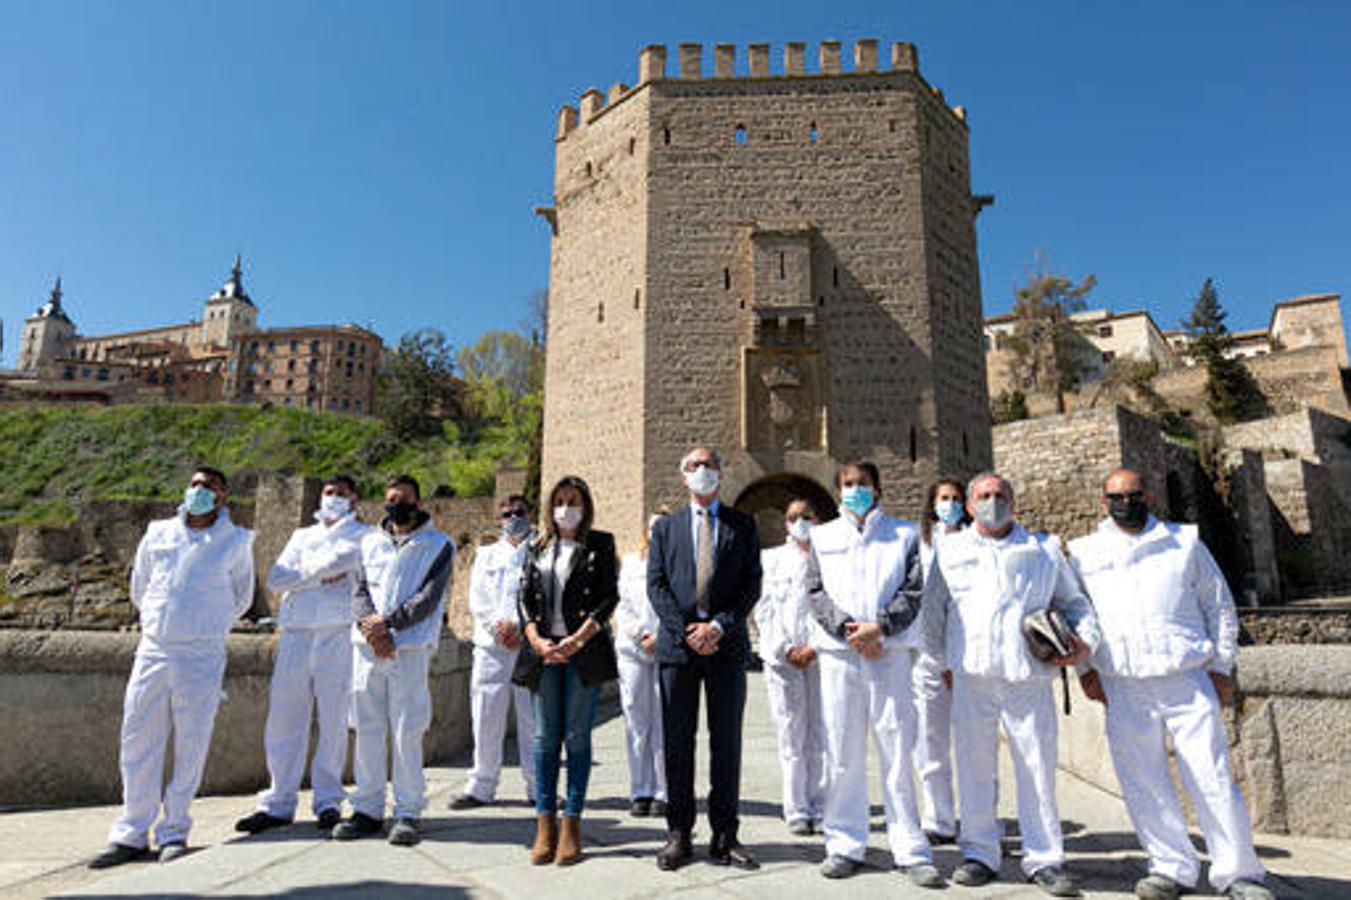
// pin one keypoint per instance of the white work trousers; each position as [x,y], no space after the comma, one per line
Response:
[391,703]
[1184,706]
[795,705]
[1027,711]
[491,695]
[313,671]
[858,697]
[166,688]
[933,746]
[640,697]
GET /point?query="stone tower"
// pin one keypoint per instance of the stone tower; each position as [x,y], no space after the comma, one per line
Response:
[229,312]
[780,264]
[46,333]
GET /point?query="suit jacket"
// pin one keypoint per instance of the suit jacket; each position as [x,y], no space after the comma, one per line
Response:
[732,592]
[591,591]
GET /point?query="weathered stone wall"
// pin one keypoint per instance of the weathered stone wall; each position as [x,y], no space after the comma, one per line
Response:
[61,699]
[1290,739]
[1057,464]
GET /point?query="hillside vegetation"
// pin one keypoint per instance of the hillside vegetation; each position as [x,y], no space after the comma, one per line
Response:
[55,457]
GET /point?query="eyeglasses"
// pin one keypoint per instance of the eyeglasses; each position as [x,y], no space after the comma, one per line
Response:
[1119,497]
[517,513]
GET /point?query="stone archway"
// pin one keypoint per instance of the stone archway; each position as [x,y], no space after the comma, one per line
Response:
[766,499]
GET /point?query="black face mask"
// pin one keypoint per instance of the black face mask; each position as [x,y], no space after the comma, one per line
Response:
[401,513]
[1129,513]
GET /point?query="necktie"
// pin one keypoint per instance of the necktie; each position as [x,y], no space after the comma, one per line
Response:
[703,560]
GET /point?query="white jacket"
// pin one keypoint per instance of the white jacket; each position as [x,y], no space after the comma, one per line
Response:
[404,580]
[313,554]
[1162,603]
[494,585]
[978,593]
[634,616]
[782,616]
[190,584]
[868,575]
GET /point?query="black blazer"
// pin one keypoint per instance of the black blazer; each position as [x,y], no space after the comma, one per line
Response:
[731,594]
[591,591]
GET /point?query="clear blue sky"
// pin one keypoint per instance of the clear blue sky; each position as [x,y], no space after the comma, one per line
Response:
[378,162]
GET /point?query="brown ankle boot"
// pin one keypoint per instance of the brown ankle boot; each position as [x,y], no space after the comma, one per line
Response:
[546,840]
[569,841]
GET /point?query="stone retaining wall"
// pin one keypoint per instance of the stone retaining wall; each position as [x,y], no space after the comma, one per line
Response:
[61,697]
[1290,738]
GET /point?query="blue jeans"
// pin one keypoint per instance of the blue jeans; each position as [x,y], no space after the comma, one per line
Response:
[565,710]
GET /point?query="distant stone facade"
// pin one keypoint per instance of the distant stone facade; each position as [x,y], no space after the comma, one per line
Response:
[215,359]
[781,265]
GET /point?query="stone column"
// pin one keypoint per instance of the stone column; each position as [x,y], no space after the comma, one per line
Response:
[282,504]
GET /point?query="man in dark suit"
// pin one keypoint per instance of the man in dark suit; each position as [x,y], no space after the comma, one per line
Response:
[703,577]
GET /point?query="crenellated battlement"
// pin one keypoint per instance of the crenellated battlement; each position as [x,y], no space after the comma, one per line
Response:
[690,66]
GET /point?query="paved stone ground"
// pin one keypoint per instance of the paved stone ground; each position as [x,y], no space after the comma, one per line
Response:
[482,853]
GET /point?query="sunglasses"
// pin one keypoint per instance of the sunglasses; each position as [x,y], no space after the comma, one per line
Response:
[512,514]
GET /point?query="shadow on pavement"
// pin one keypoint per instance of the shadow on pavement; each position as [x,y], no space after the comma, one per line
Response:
[371,888]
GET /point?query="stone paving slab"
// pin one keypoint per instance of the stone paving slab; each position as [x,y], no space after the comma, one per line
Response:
[482,853]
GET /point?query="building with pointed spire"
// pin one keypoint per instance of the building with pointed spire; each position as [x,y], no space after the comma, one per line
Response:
[47,333]
[222,356]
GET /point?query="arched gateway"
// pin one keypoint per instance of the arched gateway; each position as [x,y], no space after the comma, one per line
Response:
[768,498]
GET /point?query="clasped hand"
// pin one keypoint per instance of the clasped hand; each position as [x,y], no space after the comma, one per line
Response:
[1079,654]
[376,633]
[703,637]
[557,653]
[865,637]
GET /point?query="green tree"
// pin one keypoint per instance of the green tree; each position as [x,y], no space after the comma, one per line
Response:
[1009,406]
[501,358]
[1231,393]
[1047,350]
[418,389]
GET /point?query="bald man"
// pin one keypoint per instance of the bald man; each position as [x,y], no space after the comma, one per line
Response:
[1164,665]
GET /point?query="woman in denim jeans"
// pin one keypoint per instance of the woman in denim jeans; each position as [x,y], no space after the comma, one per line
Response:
[570,589]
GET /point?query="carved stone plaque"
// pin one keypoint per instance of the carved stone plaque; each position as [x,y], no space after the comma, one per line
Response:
[782,397]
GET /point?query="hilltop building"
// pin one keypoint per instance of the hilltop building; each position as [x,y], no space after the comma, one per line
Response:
[223,356]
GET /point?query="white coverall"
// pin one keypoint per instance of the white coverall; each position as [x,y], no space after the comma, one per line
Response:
[784,621]
[314,574]
[869,575]
[189,585]
[403,579]
[639,687]
[975,599]
[1168,619]
[933,727]
[494,585]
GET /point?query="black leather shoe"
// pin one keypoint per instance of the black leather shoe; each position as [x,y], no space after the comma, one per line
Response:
[676,852]
[260,822]
[466,801]
[359,825]
[641,807]
[726,850]
[116,855]
[328,819]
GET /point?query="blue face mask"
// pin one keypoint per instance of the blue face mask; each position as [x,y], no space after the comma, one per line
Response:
[858,499]
[949,512]
[199,500]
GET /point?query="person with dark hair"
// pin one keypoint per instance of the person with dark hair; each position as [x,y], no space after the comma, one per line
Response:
[193,576]
[570,590]
[984,585]
[494,589]
[944,513]
[792,676]
[313,668]
[864,584]
[1165,667]
[398,604]
[703,578]
[639,688]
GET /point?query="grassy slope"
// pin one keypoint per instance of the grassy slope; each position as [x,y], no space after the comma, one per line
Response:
[55,456]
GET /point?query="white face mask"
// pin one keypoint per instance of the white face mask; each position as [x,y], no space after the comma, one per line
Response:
[703,481]
[567,517]
[800,529]
[334,506]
